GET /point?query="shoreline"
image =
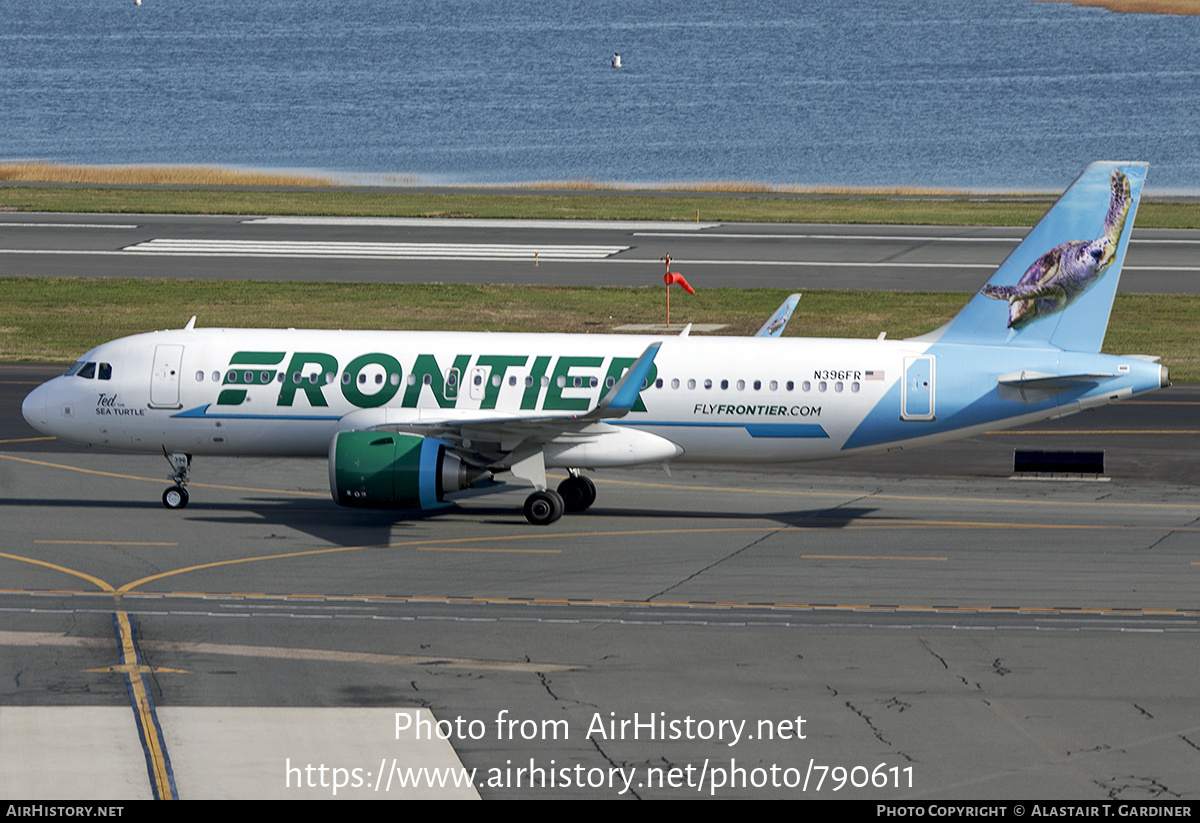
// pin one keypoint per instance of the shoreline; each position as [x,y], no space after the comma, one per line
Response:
[1181,8]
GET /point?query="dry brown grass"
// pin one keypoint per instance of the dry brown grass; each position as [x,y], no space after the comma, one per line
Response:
[750,187]
[1140,6]
[42,172]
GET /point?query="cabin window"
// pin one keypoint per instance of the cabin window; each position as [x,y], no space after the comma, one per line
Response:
[362,378]
[790,385]
[708,384]
[477,380]
[838,386]
[773,385]
[216,377]
[394,379]
[496,381]
[528,381]
[609,382]
[296,378]
[806,386]
[427,379]
[724,384]
[264,377]
[562,381]
[593,382]
[546,381]
[512,380]
[822,386]
[411,380]
[757,385]
[658,384]
[199,377]
[854,386]
[675,382]
[741,384]
[691,383]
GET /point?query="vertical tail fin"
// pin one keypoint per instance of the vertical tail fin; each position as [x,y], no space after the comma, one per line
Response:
[1056,290]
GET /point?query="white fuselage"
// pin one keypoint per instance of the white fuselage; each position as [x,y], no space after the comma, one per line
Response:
[287,392]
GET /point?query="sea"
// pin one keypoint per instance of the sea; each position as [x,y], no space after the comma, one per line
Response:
[1007,95]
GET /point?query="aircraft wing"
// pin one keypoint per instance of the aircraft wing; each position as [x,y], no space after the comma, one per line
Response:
[485,438]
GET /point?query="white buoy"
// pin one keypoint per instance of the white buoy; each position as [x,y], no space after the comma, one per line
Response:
[616,61]
[137,2]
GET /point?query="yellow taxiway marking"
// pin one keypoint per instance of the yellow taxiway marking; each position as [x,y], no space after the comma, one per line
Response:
[143,711]
[1058,432]
[140,479]
[871,557]
[1108,504]
[139,669]
[27,439]
[101,543]
[489,551]
[1078,504]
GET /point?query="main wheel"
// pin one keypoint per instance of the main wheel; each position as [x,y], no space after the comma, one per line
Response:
[175,497]
[543,507]
[578,492]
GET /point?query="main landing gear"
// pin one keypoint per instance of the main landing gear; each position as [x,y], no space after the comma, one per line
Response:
[176,496]
[574,494]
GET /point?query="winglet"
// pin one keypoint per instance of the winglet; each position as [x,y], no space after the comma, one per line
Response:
[778,321]
[191,324]
[621,397]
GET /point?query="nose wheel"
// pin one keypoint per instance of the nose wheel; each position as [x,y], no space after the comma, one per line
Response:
[176,496]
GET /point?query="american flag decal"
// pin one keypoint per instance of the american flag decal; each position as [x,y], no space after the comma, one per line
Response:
[876,374]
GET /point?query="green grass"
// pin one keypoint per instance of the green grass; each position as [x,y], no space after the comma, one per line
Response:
[56,320]
[959,211]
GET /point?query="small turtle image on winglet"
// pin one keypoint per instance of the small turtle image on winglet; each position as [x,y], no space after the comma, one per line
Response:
[1061,275]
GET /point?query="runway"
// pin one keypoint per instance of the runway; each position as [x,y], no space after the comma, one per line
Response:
[743,255]
[919,620]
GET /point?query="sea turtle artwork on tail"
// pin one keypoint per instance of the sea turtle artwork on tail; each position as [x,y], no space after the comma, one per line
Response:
[1065,272]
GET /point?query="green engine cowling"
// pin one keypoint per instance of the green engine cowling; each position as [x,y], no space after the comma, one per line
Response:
[390,470]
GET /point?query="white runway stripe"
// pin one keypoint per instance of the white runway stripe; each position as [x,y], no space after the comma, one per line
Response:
[384,251]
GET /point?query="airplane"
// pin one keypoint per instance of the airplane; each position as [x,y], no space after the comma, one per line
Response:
[408,419]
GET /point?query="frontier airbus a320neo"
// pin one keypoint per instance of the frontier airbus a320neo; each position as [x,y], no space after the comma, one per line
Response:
[409,418]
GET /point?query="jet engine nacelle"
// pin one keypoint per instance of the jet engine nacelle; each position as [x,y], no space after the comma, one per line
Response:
[390,470]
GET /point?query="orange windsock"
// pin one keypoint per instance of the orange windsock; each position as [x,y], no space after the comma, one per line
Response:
[673,277]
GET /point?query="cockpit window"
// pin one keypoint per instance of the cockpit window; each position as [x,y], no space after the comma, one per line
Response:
[88,371]
[105,371]
[75,367]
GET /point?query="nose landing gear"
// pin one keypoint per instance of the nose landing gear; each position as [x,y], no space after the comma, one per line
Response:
[176,496]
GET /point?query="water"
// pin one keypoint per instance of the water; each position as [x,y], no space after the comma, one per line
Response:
[991,94]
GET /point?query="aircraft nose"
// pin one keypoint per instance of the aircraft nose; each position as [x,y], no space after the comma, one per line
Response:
[33,408]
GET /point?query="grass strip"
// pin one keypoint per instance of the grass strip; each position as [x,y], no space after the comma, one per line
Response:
[955,211]
[57,319]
